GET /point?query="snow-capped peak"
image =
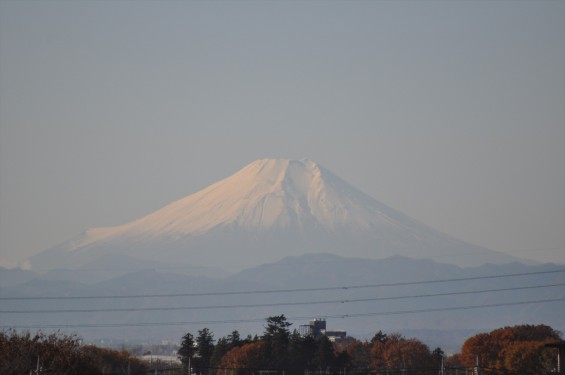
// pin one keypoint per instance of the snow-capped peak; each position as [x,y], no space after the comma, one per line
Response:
[266,194]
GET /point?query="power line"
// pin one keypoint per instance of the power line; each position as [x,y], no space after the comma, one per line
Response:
[255,320]
[210,307]
[438,309]
[274,291]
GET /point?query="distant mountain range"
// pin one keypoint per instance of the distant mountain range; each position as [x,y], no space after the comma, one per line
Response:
[268,210]
[440,303]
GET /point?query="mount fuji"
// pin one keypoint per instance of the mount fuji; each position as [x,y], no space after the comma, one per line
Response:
[268,210]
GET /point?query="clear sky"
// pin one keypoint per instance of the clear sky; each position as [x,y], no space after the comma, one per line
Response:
[452,112]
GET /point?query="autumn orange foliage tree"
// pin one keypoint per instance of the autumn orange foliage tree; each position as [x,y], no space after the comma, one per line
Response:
[394,352]
[519,349]
[247,356]
[358,351]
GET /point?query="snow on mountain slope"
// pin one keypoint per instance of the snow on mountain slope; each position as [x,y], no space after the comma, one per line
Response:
[265,194]
[269,209]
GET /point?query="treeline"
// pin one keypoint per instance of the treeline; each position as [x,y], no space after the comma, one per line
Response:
[282,351]
[278,349]
[511,350]
[58,353]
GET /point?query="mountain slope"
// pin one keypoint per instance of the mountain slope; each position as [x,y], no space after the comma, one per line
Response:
[359,295]
[269,209]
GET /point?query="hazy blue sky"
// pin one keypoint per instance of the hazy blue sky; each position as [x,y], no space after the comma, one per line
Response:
[452,112]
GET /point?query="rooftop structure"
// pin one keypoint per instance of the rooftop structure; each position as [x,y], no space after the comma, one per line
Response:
[317,328]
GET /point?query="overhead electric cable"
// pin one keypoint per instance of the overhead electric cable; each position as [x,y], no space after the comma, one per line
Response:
[274,291]
[402,312]
[210,307]
[254,320]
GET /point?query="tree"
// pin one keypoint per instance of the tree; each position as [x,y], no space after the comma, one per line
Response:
[234,339]
[377,349]
[277,326]
[276,339]
[397,352]
[248,356]
[58,353]
[524,356]
[325,356]
[225,344]
[379,337]
[358,353]
[220,350]
[204,348]
[511,349]
[302,350]
[187,349]
[478,347]
[407,353]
